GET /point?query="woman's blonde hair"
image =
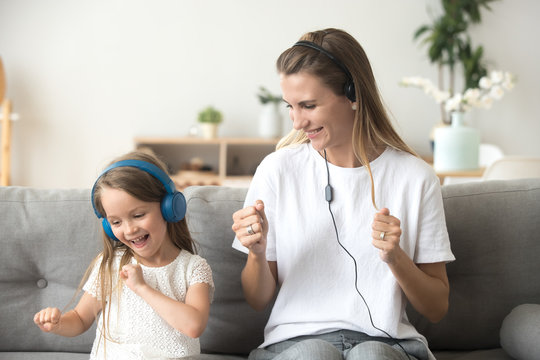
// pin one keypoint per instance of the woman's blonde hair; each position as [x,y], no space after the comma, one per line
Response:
[372,126]
[145,187]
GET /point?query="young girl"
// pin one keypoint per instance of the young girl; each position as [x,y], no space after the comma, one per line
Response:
[153,292]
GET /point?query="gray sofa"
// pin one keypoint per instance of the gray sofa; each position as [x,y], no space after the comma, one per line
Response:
[48,237]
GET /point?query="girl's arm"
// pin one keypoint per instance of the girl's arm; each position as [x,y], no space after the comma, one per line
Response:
[71,323]
[189,318]
[425,285]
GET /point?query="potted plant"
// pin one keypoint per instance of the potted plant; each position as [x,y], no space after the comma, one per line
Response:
[210,118]
[449,46]
[270,118]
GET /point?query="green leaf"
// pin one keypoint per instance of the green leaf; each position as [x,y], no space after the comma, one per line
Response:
[421,30]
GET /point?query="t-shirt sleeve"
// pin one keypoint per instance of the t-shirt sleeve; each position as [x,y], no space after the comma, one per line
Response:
[199,271]
[433,240]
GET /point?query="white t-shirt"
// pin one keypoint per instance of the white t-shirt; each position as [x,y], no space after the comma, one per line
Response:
[316,277]
[137,330]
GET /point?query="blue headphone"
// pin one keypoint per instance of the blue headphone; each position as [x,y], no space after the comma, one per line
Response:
[173,204]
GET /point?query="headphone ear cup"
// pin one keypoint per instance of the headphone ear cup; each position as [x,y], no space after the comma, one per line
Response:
[350,91]
[108,230]
[173,207]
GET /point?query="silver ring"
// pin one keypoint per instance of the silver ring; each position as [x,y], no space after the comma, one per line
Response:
[250,230]
[382,235]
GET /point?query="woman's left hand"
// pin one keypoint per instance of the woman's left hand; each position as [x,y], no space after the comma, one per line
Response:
[133,276]
[386,235]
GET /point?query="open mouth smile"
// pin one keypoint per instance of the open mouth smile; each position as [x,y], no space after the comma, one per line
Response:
[312,133]
[140,241]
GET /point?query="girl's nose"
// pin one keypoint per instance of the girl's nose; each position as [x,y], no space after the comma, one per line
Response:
[131,228]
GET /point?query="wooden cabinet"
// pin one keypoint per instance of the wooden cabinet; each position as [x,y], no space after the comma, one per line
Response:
[225,161]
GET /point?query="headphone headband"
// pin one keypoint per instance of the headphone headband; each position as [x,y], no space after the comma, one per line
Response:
[139,164]
[172,205]
[349,86]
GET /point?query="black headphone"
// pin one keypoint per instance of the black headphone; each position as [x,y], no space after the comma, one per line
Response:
[173,204]
[348,88]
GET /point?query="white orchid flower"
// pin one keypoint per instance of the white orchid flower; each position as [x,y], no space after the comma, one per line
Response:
[496,76]
[486,102]
[485,83]
[496,92]
[490,88]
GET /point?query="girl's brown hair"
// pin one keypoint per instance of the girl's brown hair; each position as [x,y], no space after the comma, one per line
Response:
[372,126]
[145,187]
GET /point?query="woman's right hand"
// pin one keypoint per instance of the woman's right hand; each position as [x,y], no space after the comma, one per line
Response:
[48,319]
[255,217]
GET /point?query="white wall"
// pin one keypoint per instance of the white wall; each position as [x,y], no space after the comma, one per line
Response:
[87,76]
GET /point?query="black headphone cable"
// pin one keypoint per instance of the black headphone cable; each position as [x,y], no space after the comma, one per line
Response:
[328,195]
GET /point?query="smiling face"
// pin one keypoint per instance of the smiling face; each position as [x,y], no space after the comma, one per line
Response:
[326,118]
[140,226]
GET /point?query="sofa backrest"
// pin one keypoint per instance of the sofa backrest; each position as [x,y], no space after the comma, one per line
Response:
[494,229]
[234,327]
[47,240]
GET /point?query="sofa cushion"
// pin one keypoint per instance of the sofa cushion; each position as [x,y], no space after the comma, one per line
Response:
[47,240]
[234,327]
[520,332]
[495,236]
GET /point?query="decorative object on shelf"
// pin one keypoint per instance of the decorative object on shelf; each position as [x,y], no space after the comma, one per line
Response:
[490,88]
[210,118]
[270,118]
[193,130]
[456,146]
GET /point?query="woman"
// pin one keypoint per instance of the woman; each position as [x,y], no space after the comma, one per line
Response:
[344,269]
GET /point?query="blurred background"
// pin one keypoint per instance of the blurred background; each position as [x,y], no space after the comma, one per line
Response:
[87,77]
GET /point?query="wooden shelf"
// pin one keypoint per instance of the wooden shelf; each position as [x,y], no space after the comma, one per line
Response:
[455,173]
[229,161]
[477,173]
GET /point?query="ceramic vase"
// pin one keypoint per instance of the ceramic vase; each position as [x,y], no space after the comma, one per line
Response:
[270,121]
[456,146]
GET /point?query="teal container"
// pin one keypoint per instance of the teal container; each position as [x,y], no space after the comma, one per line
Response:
[456,147]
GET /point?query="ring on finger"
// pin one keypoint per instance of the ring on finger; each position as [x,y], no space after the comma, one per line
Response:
[250,230]
[382,235]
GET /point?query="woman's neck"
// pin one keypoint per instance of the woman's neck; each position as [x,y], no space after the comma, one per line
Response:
[347,159]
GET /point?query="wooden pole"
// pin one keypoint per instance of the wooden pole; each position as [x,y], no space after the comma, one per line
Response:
[6,143]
